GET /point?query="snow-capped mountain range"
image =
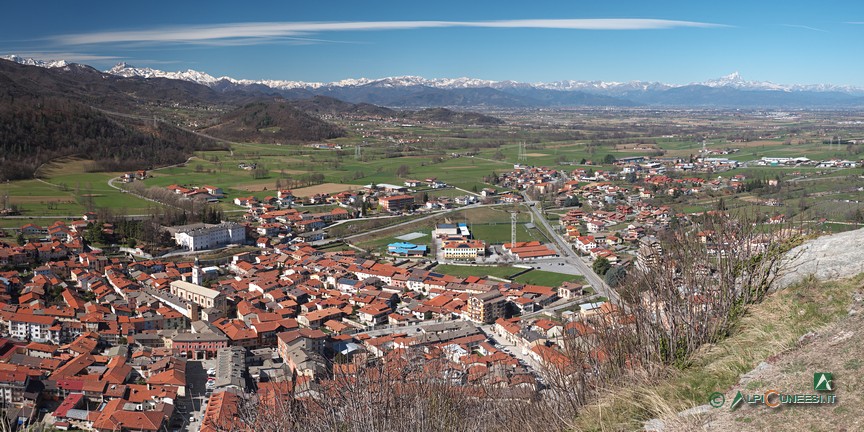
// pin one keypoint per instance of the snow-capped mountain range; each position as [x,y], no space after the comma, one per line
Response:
[34,62]
[730,90]
[733,80]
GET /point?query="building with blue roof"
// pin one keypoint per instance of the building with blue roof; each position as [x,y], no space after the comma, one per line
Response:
[406,249]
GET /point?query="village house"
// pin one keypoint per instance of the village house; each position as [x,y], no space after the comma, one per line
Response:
[397,203]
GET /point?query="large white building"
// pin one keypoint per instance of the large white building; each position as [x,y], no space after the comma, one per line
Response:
[463,249]
[204,297]
[189,308]
[211,237]
[37,328]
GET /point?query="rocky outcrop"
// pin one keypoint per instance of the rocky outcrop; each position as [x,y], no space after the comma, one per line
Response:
[835,256]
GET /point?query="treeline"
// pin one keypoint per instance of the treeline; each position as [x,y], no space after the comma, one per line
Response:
[302,180]
[180,210]
[148,233]
[35,131]
[448,116]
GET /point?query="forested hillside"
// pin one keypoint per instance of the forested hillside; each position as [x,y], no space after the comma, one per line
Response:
[273,121]
[70,111]
[36,131]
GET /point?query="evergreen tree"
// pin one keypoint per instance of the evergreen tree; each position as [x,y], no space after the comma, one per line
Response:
[601,266]
[615,276]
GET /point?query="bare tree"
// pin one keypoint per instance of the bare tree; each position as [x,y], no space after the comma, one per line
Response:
[686,291]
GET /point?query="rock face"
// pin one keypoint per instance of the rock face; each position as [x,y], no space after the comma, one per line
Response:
[836,256]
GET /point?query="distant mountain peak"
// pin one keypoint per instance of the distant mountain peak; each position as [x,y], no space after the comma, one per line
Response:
[126,70]
[736,81]
[35,62]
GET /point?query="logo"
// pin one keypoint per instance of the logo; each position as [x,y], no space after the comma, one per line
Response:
[776,398]
[823,381]
[737,401]
[716,400]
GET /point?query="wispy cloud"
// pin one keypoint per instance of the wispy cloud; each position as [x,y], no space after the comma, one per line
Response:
[283,40]
[804,27]
[268,31]
[68,56]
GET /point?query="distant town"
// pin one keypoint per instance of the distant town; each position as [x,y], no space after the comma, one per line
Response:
[105,337]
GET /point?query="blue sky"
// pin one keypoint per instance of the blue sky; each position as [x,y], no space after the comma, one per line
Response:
[672,41]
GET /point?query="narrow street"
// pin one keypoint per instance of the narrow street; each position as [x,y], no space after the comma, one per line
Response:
[524,358]
[190,409]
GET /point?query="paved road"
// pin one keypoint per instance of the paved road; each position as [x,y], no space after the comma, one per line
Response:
[148,118]
[112,180]
[570,257]
[554,265]
[562,305]
[466,191]
[340,222]
[509,348]
[832,222]
[67,217]
[192,407]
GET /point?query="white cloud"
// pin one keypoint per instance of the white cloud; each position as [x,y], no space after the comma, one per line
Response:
[68,56]
[804,27]
[263,32]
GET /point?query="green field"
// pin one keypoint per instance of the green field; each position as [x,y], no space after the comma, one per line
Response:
[503,272]
[291,165]
[490,224]
[545,278]
[65,189]
[533,277]
[335,247]
[499,233]
[498,215]
[420,151]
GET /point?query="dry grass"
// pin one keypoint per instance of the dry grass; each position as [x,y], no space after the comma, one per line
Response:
[637,147]
[461,168]
[268,185]
[62,166]
[750,198]
[325,188]
[40,199]
[770,328]
[564,145]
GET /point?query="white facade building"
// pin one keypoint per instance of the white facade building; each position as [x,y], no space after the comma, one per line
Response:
[202,296]
[37,328]
[211,237]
